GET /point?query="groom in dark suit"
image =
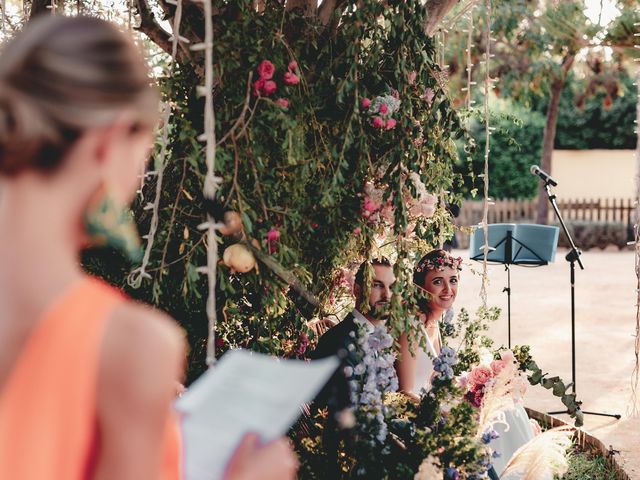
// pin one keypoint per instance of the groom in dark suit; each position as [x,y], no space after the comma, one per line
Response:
[341,339]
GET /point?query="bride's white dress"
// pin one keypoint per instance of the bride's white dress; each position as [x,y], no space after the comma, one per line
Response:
[519,432]
[424,364]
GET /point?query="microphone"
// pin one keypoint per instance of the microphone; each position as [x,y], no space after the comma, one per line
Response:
[536,170]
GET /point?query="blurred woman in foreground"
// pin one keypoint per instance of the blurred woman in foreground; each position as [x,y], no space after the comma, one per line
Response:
[87,376]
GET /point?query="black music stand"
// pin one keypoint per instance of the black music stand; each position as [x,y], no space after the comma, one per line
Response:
[515,244]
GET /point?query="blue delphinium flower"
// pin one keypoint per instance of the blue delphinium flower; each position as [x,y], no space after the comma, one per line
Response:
[373,376]
[444,362]
[451,473]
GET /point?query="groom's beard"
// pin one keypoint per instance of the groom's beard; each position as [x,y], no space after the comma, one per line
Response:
[380,311]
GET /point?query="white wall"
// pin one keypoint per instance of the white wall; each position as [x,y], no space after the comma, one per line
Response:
[594,173]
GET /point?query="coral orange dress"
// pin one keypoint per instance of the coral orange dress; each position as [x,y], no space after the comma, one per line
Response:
[48,404]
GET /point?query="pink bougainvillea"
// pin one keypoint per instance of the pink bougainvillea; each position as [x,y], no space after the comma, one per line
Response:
[266,69]
[291,79]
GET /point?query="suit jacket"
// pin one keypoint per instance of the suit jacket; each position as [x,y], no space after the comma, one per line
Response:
[336,341]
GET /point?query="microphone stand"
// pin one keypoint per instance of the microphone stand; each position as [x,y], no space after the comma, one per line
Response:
[572,257]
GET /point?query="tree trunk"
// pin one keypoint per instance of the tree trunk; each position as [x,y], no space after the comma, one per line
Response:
[437,9]
[40,7]
[557,85]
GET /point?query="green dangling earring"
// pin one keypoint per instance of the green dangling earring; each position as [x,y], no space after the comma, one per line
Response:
[110,224]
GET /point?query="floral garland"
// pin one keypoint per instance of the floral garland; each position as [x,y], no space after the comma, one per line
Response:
[440,263]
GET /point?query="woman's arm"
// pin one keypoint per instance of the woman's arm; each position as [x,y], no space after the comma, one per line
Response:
[142,358]
[406,366]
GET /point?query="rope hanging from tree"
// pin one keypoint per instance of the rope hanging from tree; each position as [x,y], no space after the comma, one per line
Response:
[487,201]
[211,182]
[137,275]
[635,376]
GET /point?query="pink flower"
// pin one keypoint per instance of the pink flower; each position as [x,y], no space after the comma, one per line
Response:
[293,66]
[383,109]
[479,375]
[291,78]
[462,381]
[497,366]
[357,231]
[365,103]
[428,95]
[273,235]
[411,77]
[378,122]
[369,205]
[282,102]
[507,356]
[269,87]
[390,124]
[266,70]
[258,87]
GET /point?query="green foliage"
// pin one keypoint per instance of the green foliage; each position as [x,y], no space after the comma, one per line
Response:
[584,465]
[597,119]
[516,144]
[473,336]
[301,169]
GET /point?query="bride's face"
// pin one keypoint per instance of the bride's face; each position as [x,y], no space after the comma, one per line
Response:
[442,286]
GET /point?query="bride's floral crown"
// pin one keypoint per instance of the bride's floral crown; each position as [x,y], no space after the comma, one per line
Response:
[440,263]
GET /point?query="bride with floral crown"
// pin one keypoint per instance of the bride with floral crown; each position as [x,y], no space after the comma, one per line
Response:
[438,274]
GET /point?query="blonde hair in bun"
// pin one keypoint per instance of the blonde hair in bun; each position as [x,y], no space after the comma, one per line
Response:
[61,76]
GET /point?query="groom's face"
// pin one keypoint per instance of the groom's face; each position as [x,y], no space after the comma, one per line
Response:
[381,285]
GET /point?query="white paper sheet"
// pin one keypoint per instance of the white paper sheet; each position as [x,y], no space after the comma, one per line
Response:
[245,392]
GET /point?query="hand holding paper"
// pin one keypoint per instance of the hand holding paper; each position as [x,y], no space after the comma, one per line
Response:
[246,392]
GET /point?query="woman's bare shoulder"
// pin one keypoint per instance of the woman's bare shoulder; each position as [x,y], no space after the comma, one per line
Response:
[143,350]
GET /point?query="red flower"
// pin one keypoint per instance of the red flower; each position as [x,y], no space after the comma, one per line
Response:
[282,102]
[269,87]
[293,66]
[273,235]
[258,87]
[390,124]
[378,122]
[266,70]
[291,78]
[384,109]
[365,102]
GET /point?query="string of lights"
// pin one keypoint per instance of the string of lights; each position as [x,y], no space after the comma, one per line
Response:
[137,275]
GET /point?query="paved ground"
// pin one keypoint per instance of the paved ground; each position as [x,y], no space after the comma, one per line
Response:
[605,328]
